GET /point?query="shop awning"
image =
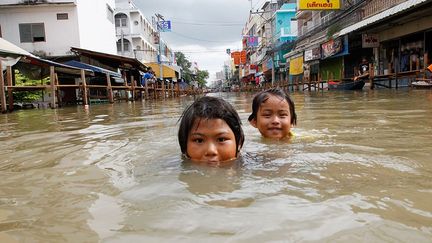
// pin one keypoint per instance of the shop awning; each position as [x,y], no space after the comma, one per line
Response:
[96,69]
[167,71]
[381,16]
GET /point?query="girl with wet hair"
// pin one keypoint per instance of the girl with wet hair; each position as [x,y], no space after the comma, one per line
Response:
[273,113]
[210,131]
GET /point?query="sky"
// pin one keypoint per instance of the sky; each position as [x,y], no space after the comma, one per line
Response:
[202,29]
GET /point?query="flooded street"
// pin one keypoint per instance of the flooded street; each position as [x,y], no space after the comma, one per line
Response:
[358,170]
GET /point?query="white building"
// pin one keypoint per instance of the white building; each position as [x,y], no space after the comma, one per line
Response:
[135,34]
[52,27]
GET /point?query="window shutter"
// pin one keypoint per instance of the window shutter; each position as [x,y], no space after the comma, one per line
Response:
[25,33]
[38,32]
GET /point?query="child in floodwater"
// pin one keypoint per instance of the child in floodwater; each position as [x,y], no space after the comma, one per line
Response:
[273,113]
[210,131]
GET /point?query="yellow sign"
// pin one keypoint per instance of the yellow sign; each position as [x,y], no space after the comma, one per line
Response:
[319,4]
[296,65]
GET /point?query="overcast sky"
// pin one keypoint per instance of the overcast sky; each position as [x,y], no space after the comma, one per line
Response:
[202,29]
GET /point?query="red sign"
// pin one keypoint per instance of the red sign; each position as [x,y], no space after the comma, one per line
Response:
[236,56]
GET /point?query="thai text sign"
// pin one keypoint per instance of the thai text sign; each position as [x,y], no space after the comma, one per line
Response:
[236,56]
[331,47]
[370,40]
[312,54]
[296,65]
[243,57]
[319,4]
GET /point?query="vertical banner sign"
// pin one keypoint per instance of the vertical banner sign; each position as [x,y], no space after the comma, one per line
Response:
[296,65]
[236,56]
[243,57]
[319,4]
[164,26]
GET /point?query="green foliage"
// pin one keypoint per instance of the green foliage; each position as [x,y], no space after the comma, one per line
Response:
[188,75]
[201,77]
[27,96]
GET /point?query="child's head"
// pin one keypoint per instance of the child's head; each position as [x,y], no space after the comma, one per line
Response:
[273,113]
[210,131]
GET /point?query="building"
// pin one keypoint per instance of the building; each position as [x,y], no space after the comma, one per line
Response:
[395,36]
[135,34]
[52,27]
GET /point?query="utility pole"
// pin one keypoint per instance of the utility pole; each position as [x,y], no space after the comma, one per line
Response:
[160,17]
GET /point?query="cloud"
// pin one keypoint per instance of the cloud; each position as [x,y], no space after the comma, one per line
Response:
[201,29]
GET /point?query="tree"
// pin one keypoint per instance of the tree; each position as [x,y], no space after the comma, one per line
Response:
[185,64]
[202,75]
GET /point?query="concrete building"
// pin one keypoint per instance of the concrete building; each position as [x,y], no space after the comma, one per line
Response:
[135,34]
[52,27]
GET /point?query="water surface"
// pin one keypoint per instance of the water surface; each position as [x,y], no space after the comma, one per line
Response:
[359,169]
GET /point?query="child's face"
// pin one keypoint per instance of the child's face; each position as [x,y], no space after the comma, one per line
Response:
[211,141]
[273,118]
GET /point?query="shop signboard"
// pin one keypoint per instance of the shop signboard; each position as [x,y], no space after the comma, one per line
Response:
[331,47]
[236,56]
[319,4]
[164,26]
[370,41]
[296,65]
[243,57]
[312,54]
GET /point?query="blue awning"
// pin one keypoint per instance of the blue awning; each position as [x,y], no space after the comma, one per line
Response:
[93,68]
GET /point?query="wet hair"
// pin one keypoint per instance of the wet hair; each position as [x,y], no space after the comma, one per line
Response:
[208,107]
[263,96]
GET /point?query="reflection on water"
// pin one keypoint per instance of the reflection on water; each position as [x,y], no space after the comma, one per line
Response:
[358,169]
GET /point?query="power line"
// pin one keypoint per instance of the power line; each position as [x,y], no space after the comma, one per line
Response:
[209,22]
[212,24]
[193,38]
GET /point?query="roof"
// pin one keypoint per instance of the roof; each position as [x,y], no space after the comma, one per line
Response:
[385,14]
[9,48]
[113,60]
[96,69]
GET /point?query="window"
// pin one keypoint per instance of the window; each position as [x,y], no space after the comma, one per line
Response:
[121,20]
[62,16]
[32,32]
[126,45]
[110,13]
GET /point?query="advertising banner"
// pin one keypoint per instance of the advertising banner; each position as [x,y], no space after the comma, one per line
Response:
[319,4]
[331,47]
[252,41]
[236,56]
[243,57]
[296,65]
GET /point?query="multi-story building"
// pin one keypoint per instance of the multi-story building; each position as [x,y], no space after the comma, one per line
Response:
[52,27]
[136,35]
[394,35]
[275,26]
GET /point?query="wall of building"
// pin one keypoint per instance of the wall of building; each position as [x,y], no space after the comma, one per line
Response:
[60,35]
[97,31]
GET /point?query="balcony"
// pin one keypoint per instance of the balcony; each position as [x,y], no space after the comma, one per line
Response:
[377,6]
[304,14]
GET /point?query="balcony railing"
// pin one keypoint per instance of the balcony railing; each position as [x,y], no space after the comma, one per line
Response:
[376,6]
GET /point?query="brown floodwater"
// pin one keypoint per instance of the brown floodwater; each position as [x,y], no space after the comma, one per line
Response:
[359,169]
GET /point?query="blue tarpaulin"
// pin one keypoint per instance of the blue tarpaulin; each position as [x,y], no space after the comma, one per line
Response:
[93,68]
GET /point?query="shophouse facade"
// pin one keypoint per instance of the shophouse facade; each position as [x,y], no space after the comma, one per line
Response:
[393,35]
[51,28]
[273,26]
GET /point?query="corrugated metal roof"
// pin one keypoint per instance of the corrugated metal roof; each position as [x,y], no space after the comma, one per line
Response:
[387,13]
